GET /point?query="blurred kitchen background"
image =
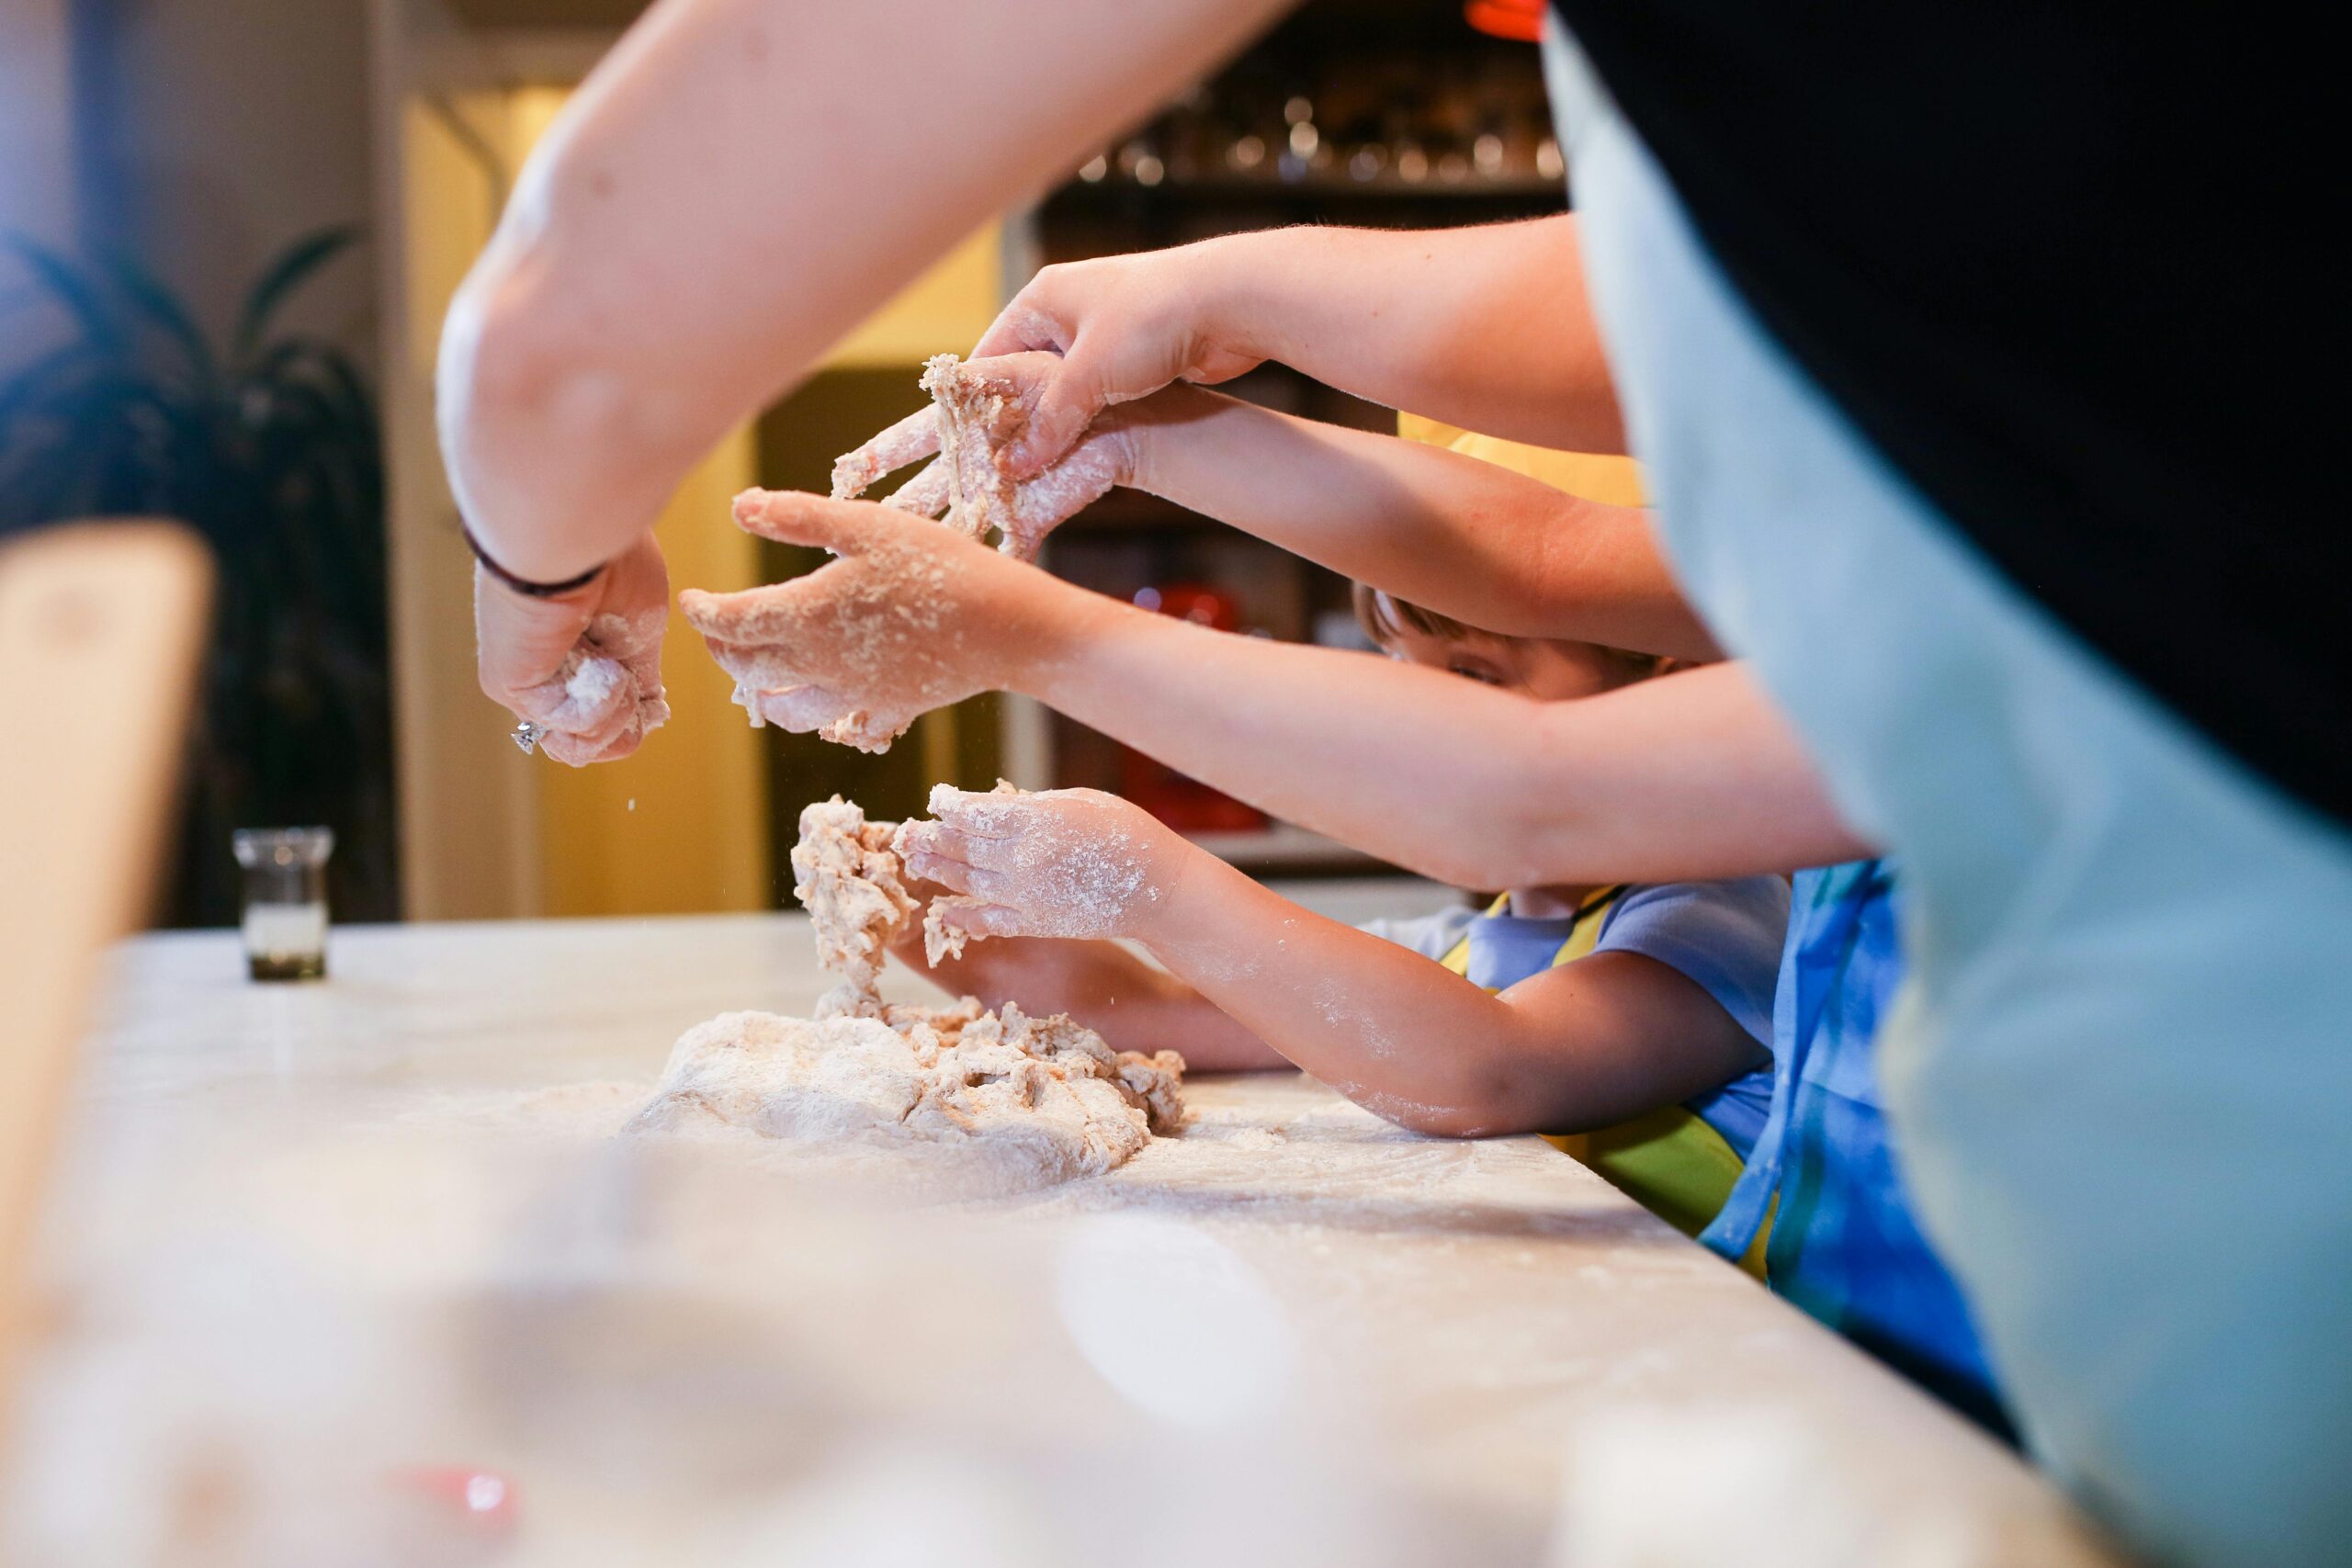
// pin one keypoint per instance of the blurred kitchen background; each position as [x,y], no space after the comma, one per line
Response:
[228,231]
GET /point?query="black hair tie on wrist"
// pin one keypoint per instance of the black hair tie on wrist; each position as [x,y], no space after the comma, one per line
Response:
[524,585]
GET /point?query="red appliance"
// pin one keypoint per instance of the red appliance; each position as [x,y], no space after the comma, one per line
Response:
[1519,19]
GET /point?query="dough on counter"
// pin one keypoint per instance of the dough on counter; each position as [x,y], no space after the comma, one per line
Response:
[1018,1101]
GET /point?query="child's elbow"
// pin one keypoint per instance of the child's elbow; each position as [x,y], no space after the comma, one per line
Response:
[1469,1111]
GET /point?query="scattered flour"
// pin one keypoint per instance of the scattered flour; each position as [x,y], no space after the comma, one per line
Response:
[1018,1101]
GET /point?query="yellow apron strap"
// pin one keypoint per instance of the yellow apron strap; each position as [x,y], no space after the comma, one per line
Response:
[1668,1160]
[1458,958]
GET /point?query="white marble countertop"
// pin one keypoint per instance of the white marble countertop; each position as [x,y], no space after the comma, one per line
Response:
[315,1250]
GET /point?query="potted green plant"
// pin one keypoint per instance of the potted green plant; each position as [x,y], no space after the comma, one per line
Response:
[269,446]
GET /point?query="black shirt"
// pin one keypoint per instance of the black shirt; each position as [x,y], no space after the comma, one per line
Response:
[2060,263]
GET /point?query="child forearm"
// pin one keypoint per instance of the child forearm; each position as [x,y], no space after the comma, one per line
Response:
[1690,776]
[1405,1038]
[1464,537]
[1575,1047]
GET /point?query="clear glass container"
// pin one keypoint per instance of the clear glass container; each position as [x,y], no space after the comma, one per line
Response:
[285,900]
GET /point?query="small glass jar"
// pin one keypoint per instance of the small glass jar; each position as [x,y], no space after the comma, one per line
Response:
[285,900]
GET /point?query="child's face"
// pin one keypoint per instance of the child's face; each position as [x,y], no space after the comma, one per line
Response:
[1548,671]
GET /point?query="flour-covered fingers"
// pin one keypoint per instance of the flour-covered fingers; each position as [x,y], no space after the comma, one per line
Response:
[941,838]
[951,874]
[605,746]
[912,438]
[752,617]
[926,495]
[961,877]
[796,517]
[977,813]
[1071,862]
[761,666]
[983,919]
[591,695]
[1022,327]
[799,709]
[1103,460]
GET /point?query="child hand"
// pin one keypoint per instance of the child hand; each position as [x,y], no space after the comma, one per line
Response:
[1061,863]
[1120,327]
[909,619]
[1101,459]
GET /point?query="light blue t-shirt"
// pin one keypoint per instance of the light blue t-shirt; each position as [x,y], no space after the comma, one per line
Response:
[1724,936]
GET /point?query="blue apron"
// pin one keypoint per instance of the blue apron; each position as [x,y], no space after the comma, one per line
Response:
[1845,1245]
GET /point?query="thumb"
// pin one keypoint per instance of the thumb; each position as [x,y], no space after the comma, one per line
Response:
[1070,399]
[796,517]
[1021,326]
[750,618]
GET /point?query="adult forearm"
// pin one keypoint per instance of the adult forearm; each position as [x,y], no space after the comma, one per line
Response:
[1487,328]
[1469,539]
[676,252]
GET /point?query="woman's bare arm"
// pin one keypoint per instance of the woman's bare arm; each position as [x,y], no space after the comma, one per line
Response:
[736,185]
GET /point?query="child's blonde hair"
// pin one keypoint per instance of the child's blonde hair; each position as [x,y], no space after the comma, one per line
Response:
[1384,618]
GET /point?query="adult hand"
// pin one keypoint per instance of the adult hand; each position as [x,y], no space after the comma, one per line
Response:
[1103,459]
[586,667]
[1061,863]
[1124,327]
[910,618]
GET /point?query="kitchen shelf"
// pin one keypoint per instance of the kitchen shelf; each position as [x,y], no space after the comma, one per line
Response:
[1386,187]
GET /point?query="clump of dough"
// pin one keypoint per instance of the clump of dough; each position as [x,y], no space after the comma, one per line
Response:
[979,415]
[1028,1100]
[847,876]
[972,418]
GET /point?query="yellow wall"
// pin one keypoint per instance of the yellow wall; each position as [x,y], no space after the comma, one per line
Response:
[469,812]
[683,825]
[944,310]
[1610,480]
